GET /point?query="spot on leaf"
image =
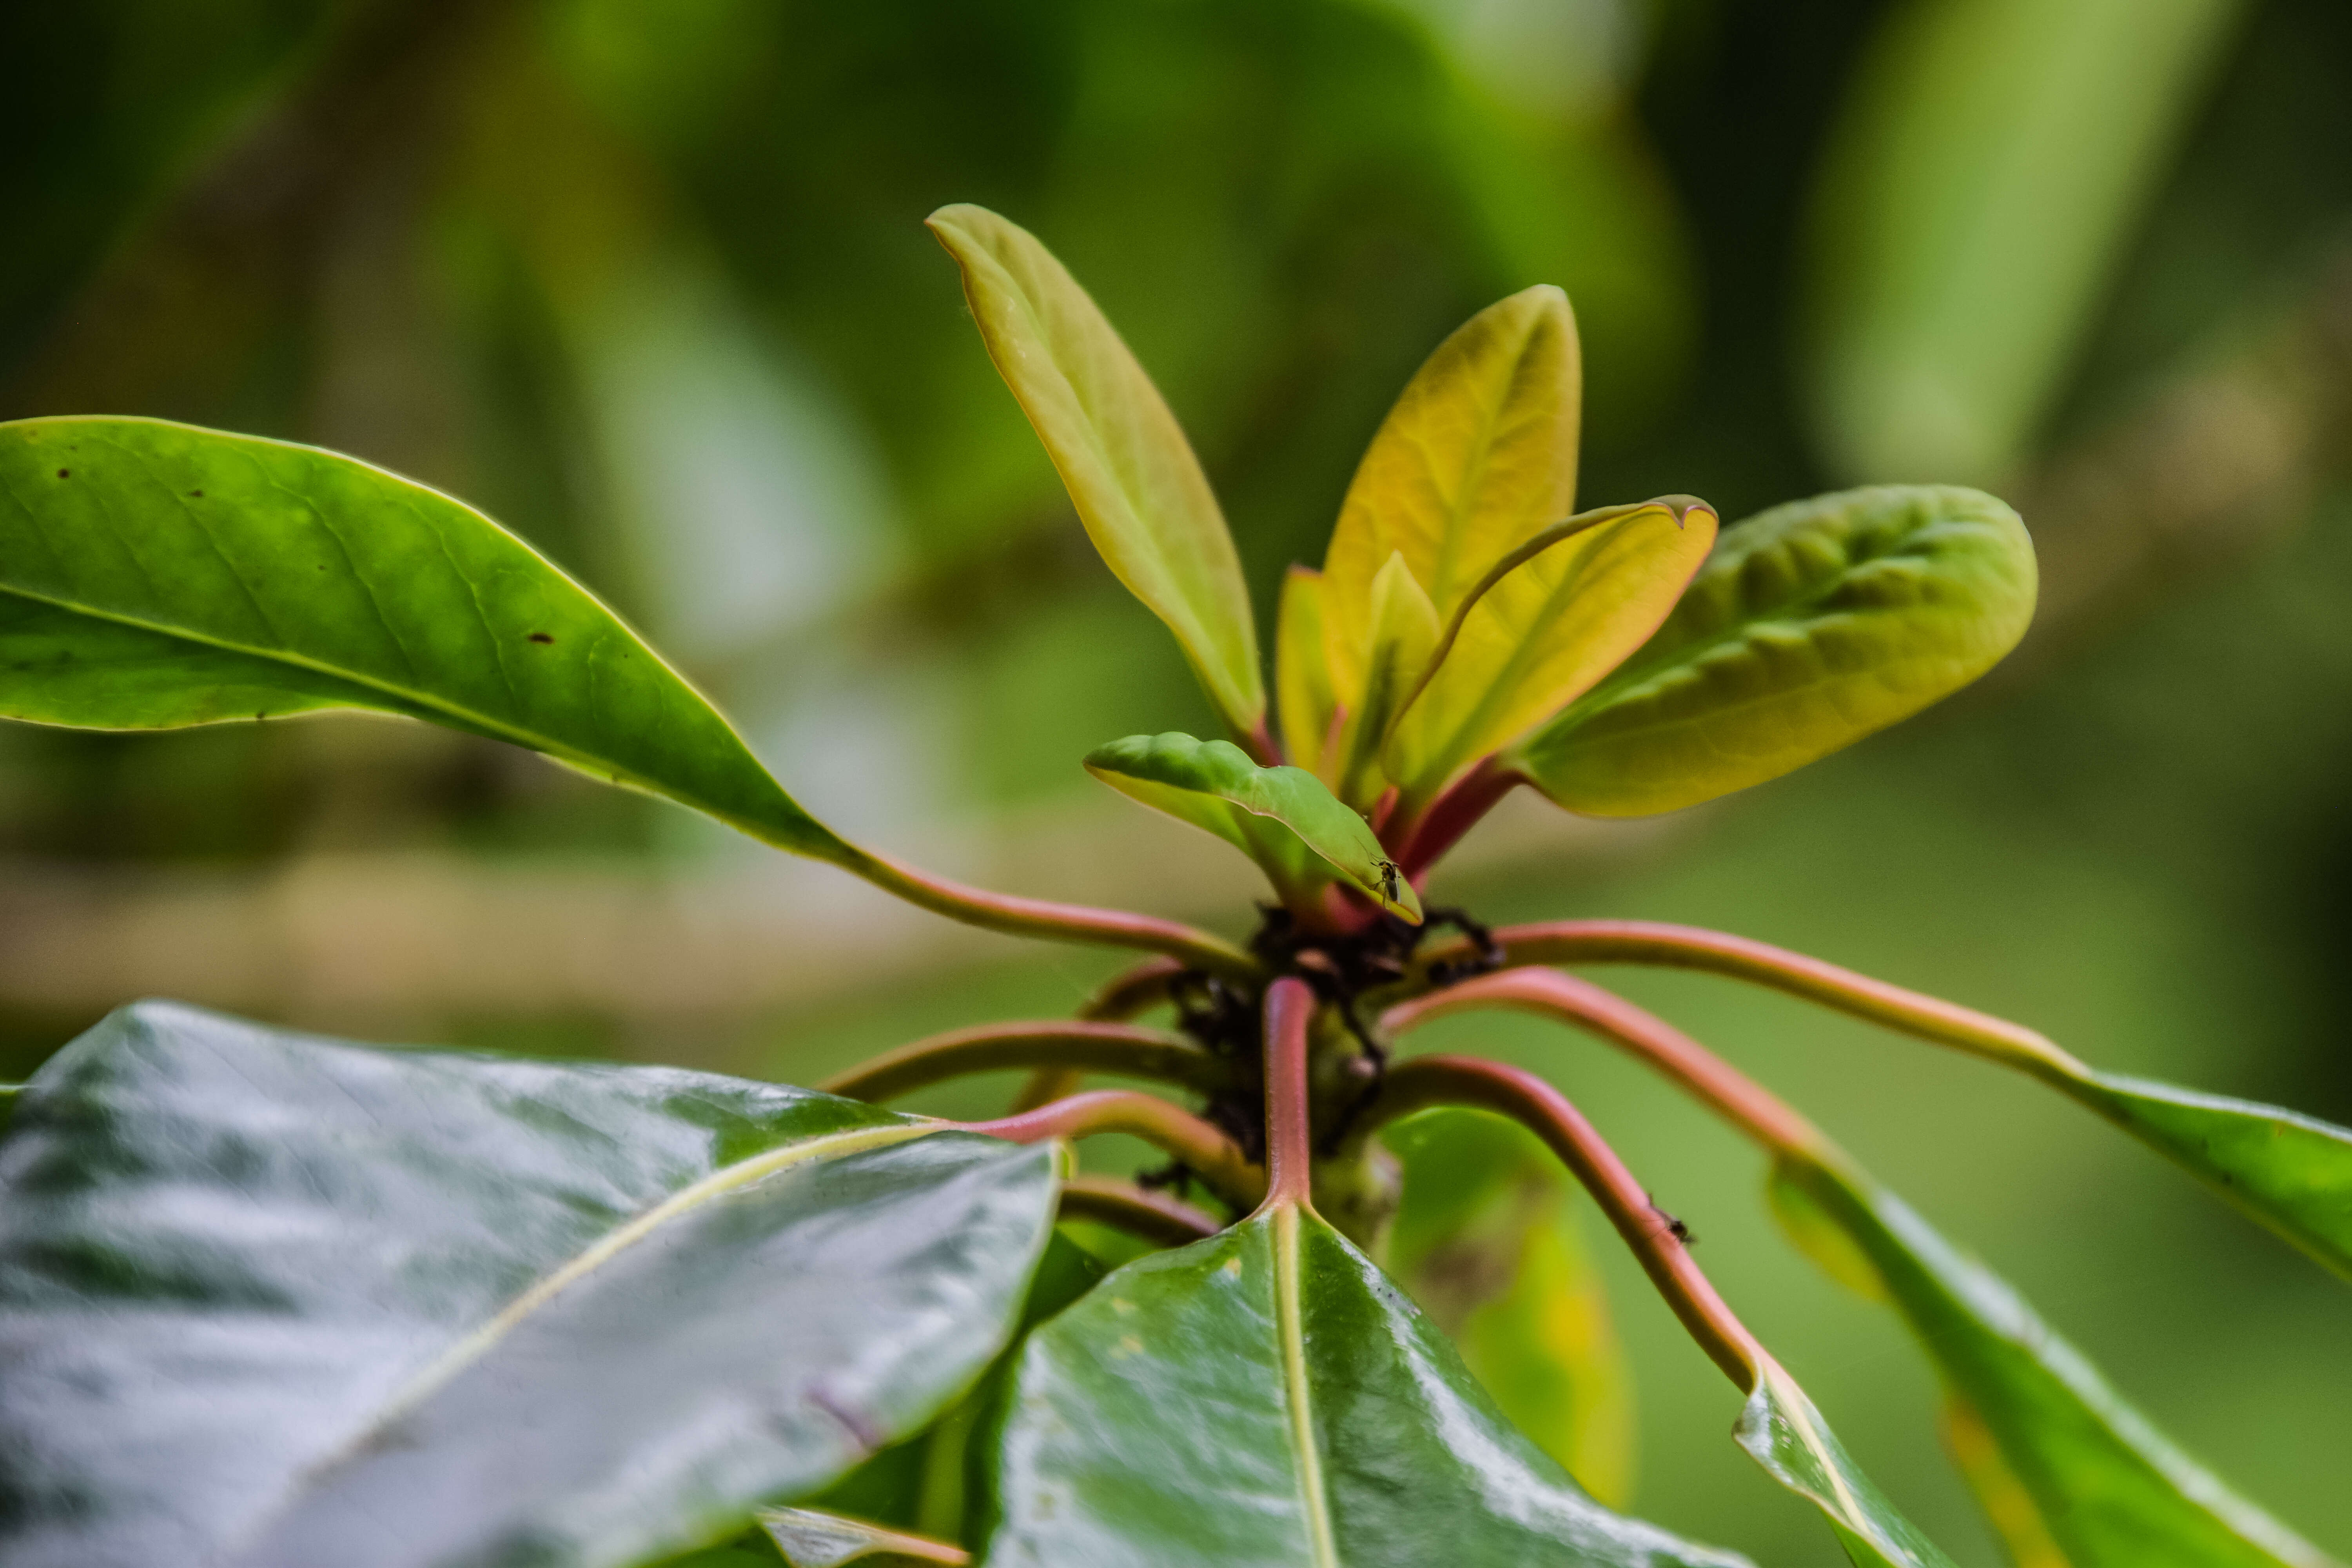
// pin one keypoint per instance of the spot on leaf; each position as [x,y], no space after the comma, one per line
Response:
[541,638]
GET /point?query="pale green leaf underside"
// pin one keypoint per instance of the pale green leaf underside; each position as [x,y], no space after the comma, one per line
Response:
[272,1301]
[1812,626]
[1268,1397]
[2110,1489]
[155,575]
[810,1538]
[1282,817]
[1130,473]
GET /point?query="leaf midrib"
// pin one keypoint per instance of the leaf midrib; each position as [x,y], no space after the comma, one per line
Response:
[447,1366]
[1290,1331]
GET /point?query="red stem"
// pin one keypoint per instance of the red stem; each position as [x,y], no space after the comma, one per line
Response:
[1213,1156]
[1741,1100]
[1054,1045]
[1289,1139]
[1452,814]
[1155,1217]
[1526,1099]
[1693,947]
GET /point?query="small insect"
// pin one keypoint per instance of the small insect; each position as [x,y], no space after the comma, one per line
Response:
[1388,869]
[1675,1227]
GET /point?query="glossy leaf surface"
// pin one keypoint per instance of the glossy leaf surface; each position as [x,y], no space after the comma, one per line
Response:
[1813,624]
[1267,1398]
[1284,817]
[1486,1241]
[1138,487]
[273,1300]
[155,575]
[810,1538]
[1405,628]
[1543,635]
[2291,1172]
[2109,1490]
[1780,1428]
[1478,455]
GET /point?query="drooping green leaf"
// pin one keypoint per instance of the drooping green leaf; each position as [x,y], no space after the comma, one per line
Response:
[810,1538]
[1487,1243]
[271,1301]
[2007,1505]
[155,575]
[1477,456]
[1267,1396]
[1283,818]
[1543,633]
[2291,1172]
[1787,1435]
[1812,626]
[1138,487]
[2109,1490]
[1302,672]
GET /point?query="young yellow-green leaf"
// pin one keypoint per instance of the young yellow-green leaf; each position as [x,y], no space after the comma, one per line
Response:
[2007,1505]
[1787,1435]
[155,575]
[1478,455]
[1283,818]
[2108,1489]
[1138,487]
[1813,624]
[273,1301]
[1542,633]
[1302,671]
[1267,1396]
[1486,1242]
[1404,631]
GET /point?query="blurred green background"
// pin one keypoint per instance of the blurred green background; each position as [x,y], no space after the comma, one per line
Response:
[649,283]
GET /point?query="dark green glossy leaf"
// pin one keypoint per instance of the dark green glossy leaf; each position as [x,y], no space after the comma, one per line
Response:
[269,1300]
[1787,1435]
[1138,489]
[155,575]
[1283,818]
[1485,1241]
[1810,626]
[1268,1397]
[2291,1172]
[2110,1490]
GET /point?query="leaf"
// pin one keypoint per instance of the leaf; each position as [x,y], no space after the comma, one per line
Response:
[275,1300]
[1138,487]
[1404,638]
[1812,626]
[1302,676]
[2007,1505]
[1267,1396]
[2291,1173]
[809,1538]
[1478,455]
[1283,818]
[1543,632]
[2109,1490]
[1487,1243]
[155,575]
[1788,1437]
[1989,166]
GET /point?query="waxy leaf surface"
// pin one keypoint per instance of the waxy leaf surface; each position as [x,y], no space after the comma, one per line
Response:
[1405,628]
[1284,817]
[269,1301]
[1267,1399]
[2291,1172]
[1486,1241]
[1779,1427]
[2110,1490]
[155,575]
[1477,456]
[1541,637]
[1812,626]
[1302,671]
[1138,487]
